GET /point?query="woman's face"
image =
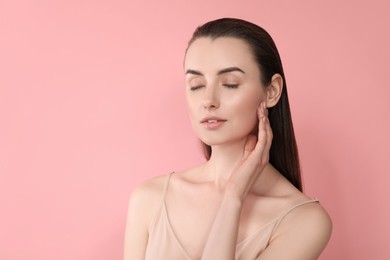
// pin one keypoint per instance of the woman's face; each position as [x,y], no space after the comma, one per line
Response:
[223,89]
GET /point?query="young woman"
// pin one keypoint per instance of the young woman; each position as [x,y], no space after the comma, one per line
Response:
[246,200]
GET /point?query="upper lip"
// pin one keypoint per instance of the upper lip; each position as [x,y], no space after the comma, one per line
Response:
[212,118]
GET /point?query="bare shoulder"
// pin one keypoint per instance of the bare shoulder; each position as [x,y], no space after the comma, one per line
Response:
[152,185]
[303,233]
[143,205]
[311,218]
[149,191]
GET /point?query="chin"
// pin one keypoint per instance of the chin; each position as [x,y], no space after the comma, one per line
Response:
[226,136]
[217,141]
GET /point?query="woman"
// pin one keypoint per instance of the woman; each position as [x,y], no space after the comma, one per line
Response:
[246,201]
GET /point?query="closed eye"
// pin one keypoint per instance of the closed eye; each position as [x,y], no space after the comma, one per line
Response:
[231,85]
[196,87]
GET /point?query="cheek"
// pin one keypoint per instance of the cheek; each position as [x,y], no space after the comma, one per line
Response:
[246,112]
[249,117]
[191,110]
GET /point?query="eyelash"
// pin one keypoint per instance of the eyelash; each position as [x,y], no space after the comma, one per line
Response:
[195,87]
[231,85]
[226,85]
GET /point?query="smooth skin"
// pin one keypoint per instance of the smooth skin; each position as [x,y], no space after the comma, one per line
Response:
[219,203]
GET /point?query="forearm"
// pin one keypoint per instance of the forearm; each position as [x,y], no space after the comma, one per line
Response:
[222,239]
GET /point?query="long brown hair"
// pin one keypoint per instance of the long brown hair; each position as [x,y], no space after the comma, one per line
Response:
[284,151]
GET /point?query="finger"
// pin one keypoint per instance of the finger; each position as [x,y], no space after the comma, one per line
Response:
[266,110]
[269,133]
[262,134]
[267,146]
[250,145]
[265,138]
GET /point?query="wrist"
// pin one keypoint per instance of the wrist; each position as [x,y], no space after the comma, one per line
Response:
[233,198]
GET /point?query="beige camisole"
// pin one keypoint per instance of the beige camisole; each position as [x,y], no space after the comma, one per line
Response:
[163,243]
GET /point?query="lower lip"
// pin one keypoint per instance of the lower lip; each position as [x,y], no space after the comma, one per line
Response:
[213,125]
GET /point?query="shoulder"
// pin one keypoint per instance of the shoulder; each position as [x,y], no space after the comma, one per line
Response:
[149,190]
[150,193]
[149,187]
[308,217]
[303,232]
[143,205]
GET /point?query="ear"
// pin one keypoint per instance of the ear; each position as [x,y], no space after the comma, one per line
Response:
[274,90]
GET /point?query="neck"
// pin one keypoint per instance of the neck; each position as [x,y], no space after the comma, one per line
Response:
[224,159]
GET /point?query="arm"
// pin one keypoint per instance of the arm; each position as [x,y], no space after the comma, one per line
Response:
[222,239]
[139,217]
[136,234]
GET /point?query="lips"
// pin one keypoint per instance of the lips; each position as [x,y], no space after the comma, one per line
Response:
[212,119]
[212,122]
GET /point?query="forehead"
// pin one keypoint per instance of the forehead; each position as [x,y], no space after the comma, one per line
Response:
[207,53]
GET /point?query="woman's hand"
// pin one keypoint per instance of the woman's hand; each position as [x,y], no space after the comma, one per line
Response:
[255,158]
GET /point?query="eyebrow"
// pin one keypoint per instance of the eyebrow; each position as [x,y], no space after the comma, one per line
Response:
[223,71]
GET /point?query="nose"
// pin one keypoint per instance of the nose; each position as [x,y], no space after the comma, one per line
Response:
[211,98]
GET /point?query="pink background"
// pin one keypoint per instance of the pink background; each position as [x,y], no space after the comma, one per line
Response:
[92,103]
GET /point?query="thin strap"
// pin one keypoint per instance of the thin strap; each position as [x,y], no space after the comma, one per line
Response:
[288,211]
[166,185]
[296,206]
[157,214]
